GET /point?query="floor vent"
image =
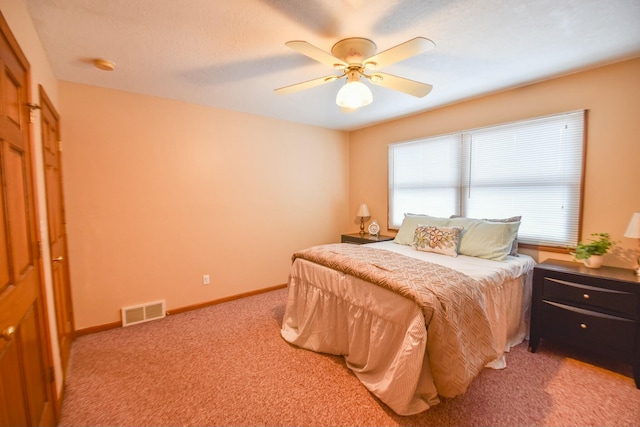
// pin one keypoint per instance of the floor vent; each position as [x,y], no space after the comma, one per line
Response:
[135,314]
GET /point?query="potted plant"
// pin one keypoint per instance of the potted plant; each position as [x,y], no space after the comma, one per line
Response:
[592,253]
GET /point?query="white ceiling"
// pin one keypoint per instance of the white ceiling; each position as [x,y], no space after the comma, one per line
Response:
[231,53]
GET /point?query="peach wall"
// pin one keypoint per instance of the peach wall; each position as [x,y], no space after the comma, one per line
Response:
[160,192]
[610,93]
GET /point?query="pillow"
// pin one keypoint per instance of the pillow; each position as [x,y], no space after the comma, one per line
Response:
[411,221]
[486,239]
[441,240]
[514,244]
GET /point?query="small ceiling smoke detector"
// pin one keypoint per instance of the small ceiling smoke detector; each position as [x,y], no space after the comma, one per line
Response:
[104,64]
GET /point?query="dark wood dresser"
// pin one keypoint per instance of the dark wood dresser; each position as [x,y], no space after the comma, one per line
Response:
[597,309]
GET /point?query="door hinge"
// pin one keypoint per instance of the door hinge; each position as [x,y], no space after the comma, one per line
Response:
[60,146]
[39,249]
[32,109]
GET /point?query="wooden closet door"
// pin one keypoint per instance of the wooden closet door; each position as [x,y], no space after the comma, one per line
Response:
[26,382]
[51,153]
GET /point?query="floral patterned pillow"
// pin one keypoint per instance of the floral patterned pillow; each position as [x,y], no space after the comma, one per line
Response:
[441,240]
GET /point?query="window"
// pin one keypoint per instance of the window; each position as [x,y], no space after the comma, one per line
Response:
[531,168]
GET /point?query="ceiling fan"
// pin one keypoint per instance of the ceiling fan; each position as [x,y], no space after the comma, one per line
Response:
[354,57]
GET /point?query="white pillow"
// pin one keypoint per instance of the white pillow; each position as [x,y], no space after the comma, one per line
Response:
[411,221]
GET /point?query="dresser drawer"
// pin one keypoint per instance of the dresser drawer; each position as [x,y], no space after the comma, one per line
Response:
[608,300]
[597,331]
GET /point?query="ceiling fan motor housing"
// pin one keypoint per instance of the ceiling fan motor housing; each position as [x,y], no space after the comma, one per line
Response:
[354,50]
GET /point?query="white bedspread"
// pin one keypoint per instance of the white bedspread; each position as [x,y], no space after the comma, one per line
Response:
[383,335]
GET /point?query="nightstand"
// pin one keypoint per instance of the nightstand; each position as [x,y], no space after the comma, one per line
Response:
[360,239]
[597,309]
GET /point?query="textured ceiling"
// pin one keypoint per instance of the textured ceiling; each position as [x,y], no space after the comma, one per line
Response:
[231,54]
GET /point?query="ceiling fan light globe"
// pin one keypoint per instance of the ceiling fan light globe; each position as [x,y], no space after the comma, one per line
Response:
[354,94]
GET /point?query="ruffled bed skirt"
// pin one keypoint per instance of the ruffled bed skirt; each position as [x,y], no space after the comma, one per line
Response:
[381,335]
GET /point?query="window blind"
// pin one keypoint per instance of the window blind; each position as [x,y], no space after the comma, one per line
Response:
[531,168]
[424,177]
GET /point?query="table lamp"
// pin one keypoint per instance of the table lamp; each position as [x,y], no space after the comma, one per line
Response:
[633,232]
[363,212]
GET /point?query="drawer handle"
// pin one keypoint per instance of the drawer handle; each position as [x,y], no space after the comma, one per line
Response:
[585,296]
[583,325]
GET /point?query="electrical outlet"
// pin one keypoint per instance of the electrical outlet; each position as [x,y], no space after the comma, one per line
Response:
[206,279]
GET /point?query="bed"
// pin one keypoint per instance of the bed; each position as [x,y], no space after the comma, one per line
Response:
[413,325]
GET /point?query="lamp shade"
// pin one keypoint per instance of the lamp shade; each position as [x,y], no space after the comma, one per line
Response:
[354,94]
[363,211]
[633,229]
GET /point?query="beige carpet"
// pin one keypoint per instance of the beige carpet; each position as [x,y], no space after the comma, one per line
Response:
[227,365]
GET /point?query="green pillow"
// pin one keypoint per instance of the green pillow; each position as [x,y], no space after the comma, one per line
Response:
[486,239]
[411,221]
[514,245]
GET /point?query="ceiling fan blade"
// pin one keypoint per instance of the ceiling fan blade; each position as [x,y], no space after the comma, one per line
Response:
[316,53]
[304,85]
[401,84]
[399,53]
